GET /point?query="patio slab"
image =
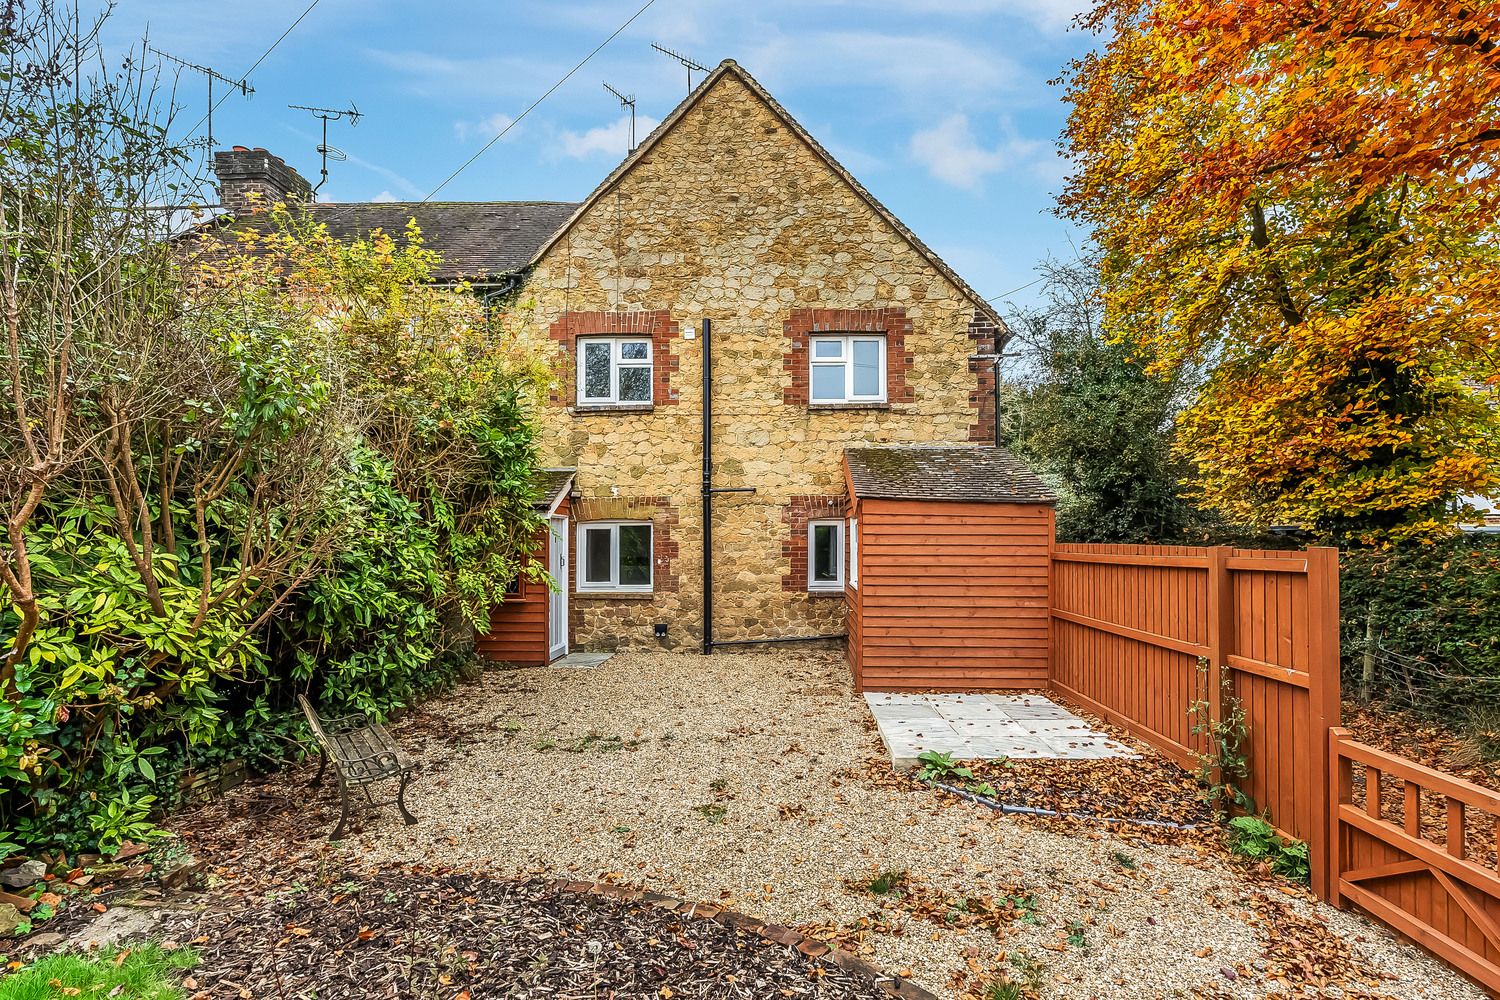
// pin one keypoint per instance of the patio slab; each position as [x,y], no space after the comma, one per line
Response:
[985,727]
[581,660]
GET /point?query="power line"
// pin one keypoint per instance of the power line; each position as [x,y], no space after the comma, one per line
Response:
[1013,291]
[532,106]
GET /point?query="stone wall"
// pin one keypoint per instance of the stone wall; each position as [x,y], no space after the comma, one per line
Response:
[732,217]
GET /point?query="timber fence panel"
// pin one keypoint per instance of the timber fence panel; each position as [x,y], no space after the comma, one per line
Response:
[1132,622]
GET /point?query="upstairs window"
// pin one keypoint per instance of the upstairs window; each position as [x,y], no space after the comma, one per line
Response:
[846,369]
[825,555]
[614,555]
[614,371]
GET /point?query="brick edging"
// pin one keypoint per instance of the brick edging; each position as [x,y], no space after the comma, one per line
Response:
[891,985]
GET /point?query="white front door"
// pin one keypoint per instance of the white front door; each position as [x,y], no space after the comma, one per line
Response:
[557,603]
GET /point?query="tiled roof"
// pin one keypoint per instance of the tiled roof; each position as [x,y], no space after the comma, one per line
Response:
[975,473]
[477,239]
[549,485]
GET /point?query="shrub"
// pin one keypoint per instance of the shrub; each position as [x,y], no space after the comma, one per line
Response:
[1436,615]
[1256,839]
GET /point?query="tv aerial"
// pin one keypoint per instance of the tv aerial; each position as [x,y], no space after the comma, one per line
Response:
[326,115]
[688,63]
[626,102]
[209,73]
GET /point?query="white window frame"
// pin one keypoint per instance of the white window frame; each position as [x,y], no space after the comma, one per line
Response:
[853,534]
[613,585]
[846,362]
[616,364]
[825,586]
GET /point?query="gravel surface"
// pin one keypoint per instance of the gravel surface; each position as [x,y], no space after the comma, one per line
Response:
[757,781]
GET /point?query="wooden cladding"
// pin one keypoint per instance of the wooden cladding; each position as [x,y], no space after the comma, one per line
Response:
[951,596]
[1131,623]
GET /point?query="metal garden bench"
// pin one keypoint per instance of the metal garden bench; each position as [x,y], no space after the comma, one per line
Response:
[363,753]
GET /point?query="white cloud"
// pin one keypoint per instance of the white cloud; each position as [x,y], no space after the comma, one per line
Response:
[917,68]
[951,153]
[384,196]
[485,129]
[604,140]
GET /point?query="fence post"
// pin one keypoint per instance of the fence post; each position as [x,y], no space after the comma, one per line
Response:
[1220,635]
[1323,713]
[1341,790]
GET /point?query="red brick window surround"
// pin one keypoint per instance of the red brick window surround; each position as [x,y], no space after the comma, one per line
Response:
[796,515]
[662,514]
[802,324]
[656,324]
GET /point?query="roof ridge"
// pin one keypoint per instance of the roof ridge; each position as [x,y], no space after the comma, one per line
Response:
[678,113]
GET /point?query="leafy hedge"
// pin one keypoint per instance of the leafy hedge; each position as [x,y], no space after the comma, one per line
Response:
[1436,611]
[229,474]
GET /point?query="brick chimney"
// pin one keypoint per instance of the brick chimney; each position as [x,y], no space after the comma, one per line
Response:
[251,179]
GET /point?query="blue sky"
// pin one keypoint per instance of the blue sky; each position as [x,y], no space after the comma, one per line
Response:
[941,107]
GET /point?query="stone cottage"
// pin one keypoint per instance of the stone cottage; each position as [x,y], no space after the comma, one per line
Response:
[730,310]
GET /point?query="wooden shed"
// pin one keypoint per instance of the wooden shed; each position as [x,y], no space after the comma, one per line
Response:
[530,627]
[949,556]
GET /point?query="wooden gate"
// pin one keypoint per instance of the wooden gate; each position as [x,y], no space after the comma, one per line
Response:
[1416,848]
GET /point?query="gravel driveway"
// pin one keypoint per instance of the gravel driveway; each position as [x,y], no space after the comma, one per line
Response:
[757,781]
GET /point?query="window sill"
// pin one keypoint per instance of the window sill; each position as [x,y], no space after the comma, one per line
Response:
[614,595]
[828,592]
[589,409]
[848,406]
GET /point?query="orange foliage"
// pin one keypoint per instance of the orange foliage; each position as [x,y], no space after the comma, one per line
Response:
[1304,194]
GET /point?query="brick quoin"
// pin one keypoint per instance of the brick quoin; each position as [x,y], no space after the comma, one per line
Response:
[796,514]
[892,322]
[656,324]
[987,337]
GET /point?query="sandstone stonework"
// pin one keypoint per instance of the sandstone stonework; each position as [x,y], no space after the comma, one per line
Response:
[732,217]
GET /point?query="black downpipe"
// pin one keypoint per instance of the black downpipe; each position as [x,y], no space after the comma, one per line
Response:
[708,487]
[708,513]
[997,391]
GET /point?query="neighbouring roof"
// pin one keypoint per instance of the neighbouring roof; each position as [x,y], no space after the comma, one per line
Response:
[476,239]
[724,68]
[550,485]
[975,473]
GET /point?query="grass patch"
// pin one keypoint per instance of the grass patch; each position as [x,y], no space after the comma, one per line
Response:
[711,812]
[886,884]
[145,973]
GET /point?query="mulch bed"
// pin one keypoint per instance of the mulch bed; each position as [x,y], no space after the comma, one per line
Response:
[395,934]
[1150,788]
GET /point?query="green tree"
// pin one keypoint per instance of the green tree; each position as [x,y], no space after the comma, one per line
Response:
[1094,421]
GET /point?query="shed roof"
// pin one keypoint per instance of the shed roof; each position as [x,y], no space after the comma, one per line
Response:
[973,473]
[477,239]
[550,485]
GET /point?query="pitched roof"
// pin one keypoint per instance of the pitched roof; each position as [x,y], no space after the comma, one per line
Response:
[727,67]
[956,472]
[476,239]
[550,484]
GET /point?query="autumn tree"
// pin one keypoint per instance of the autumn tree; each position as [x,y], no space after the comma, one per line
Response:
[1303,195]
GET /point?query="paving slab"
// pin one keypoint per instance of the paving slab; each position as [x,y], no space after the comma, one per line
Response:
[581,660]
[985,727]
